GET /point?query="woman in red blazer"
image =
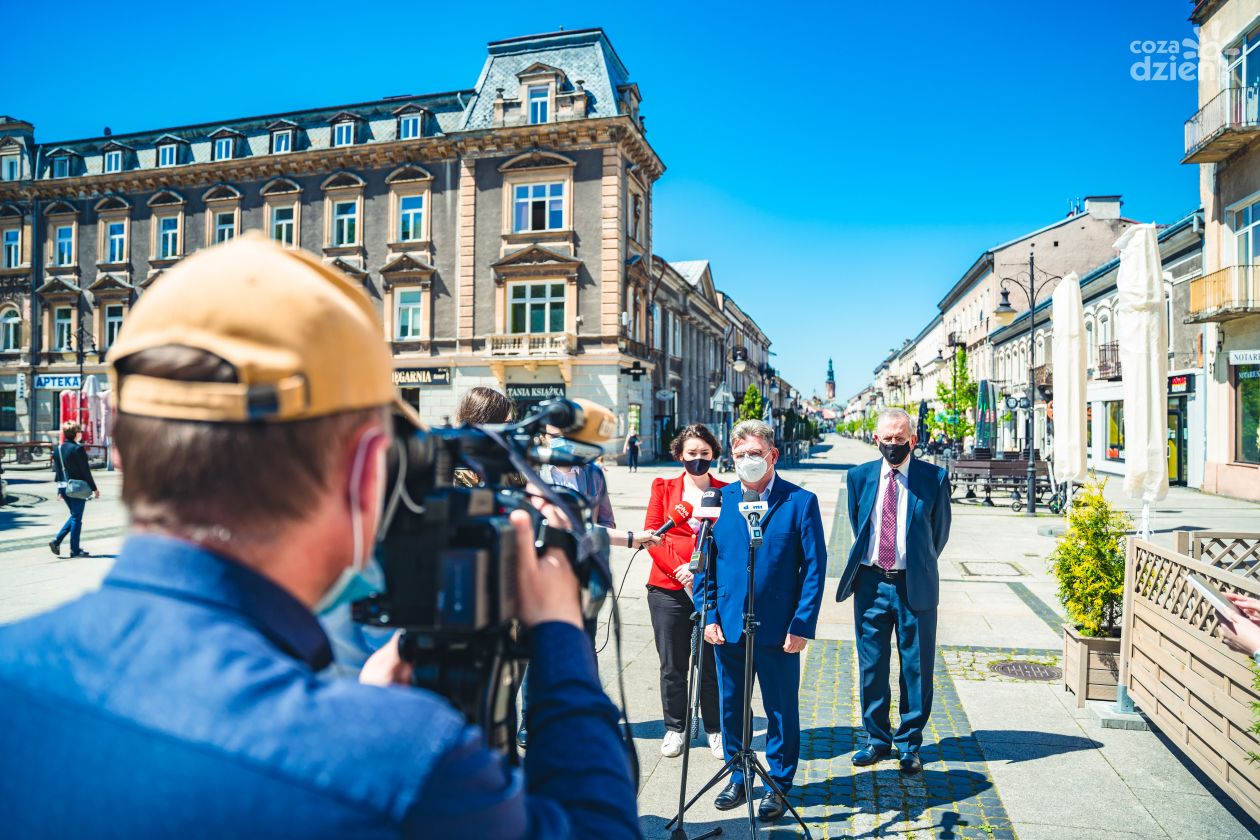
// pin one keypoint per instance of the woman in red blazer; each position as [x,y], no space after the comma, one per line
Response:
[669,590]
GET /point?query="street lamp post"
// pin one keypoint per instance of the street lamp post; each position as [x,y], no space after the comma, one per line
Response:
[1005,315]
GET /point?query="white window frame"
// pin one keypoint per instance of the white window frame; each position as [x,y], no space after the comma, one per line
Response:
[10,330]
[163,253]
[343,133]
[218,227]
[7,163]
[12,239]
[414,313]
[539,106]
[547,301]
[287,135]
[61,166]
[114,313]
[113,161]
[63,329]
[290,224]
[413,218]
[549,196]
[339,218]
[408,126]
[168,155]
[59,258]
[110,239]
[224,148]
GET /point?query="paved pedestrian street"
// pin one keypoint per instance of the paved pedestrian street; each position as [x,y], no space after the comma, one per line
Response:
[1004,756]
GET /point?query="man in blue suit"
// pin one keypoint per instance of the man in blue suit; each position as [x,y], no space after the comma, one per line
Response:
[789,570]
[899,510]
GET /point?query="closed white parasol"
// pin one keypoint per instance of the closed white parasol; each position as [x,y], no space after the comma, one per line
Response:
[1068,356]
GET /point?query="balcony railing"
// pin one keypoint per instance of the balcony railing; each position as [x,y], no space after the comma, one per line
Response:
[636,348]
[1224,125]
[1108,361]
[1043,376]
[533,344]
[1226,294]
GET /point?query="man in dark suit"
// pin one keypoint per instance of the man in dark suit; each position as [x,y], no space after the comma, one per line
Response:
[899,510]
[789,570]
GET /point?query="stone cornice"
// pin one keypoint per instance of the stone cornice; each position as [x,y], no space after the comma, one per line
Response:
[496,142]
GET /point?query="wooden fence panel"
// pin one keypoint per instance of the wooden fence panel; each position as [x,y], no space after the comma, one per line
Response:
[1177,669]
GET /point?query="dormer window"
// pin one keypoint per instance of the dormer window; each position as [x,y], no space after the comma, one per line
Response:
[168,154]
[539,101]
[282,141]
[113,161]
[224,148]
[343,133]
[9,167]
[61,167]
[408,126]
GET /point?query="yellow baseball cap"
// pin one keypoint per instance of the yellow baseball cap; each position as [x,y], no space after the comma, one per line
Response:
[304,339]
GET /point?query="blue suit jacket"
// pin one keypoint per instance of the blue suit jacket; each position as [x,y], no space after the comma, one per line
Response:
[789,570]
[185,699]
[926,532]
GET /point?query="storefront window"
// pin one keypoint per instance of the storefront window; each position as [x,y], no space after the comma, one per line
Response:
[635,414]
[1115,431]
[8,411]
[1247,387]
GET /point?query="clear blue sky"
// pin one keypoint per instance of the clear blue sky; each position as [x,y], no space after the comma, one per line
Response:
[840,167]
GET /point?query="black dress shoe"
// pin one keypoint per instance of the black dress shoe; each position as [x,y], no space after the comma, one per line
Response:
[80,553]
[867,756]
[911,763]
[771,808]
[732,796]
[56,547]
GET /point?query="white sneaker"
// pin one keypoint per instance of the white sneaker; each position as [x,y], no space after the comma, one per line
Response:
[671,746]
[715,745]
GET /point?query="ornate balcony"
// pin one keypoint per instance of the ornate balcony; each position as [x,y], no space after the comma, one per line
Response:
[637,349]
[533,345]
[1108,361]
[1224,295]
[1226,124]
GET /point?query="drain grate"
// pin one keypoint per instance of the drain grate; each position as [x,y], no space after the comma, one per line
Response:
[1022,670]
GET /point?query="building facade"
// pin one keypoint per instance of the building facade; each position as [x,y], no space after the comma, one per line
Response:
[504,231]
[1223,138]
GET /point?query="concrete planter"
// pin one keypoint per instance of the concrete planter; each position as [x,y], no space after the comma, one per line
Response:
[1091,665]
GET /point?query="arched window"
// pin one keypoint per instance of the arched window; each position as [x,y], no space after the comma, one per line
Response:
[1104,329]
[10,330]
[1091,346]
[1168,319]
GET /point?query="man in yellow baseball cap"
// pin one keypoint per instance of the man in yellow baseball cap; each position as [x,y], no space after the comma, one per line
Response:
[189,697]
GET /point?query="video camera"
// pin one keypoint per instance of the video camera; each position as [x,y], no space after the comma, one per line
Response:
[448,551]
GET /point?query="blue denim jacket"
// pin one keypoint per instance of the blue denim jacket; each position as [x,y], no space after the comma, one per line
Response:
[185,699]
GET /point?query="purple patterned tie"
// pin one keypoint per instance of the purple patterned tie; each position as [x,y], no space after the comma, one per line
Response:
[888,526]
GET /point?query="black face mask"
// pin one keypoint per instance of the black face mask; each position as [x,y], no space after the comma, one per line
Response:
[894,453]
[699,466]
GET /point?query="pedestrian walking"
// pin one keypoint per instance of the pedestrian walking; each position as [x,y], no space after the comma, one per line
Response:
[74,487]
[669,594]
[631,450]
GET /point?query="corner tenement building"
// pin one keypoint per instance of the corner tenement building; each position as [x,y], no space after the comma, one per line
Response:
[505,231]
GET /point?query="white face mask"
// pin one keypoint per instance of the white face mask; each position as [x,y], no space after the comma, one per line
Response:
[364,576]
[751,468]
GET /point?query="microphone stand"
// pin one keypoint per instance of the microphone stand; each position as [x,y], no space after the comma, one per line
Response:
[695,674]
[746,759]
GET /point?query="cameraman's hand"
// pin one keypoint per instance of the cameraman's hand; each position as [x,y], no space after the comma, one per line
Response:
[386,667]
[548,587]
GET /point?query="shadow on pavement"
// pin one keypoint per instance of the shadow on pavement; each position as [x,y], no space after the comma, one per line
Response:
[1010,745]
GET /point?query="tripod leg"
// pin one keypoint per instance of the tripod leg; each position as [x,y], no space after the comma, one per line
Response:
[727,769]
[771,784]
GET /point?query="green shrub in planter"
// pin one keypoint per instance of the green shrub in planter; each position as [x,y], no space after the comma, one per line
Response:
[1089,562]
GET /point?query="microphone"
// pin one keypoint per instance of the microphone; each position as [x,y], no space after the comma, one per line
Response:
[680,514]
[581,420]
[752,509]
[709,510]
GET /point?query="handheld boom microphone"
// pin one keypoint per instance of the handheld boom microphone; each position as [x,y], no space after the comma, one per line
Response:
[709,510]
[680,514]
[581,420]
[752,509]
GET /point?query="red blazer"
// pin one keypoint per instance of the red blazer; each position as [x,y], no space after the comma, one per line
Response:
[680,541]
